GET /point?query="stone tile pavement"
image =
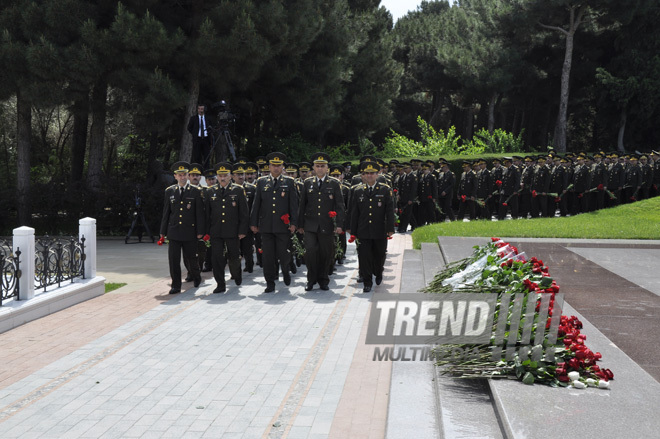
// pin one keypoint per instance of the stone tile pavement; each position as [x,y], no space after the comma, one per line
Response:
[138,363]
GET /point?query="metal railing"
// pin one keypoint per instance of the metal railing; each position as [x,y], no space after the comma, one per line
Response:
[11,272]
[58,259]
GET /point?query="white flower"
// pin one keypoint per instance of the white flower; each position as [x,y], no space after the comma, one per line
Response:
[602,384]
[592,382]
[574,376]
[579,384]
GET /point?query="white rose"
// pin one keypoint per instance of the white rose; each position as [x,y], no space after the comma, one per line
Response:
[579,384]
[573,376]
[602,384]
[591,382]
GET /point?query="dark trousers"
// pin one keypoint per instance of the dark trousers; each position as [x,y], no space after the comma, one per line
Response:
[465,205]
[371,255]
[525,204]
[208,262]
[247,249]
[200,255]
[406,216]
[511,204]
[222,259]
[174,256]
[426,212]
[319,256]
[260,250]
[539,206]
[342,244]
[580,203]
[275,251]
[445,206]
[201,147]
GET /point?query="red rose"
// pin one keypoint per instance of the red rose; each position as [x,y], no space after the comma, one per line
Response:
[352,238]
[430,197]
[557,199]
[505,204]
[563,378]
[206,237]
[601,187]
[534,194]
[260,250]
[498,183]
[331,214]
[161,241]
[389,237]
[494,239]
[285,218]
[396,190]
[463,198]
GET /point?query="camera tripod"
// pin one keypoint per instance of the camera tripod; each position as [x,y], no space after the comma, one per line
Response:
[138,213]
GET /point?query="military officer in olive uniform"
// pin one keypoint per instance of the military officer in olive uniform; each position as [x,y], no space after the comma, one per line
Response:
[183,224]
[239,172]
[275,216]
[319,196]
[446,191]
[336,171]
[227,223]
[540,188]
[509,190]
[211,179]
[372,222]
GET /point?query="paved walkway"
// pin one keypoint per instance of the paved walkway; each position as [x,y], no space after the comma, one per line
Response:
[139,363]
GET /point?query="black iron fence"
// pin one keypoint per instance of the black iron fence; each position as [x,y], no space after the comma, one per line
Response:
[58,259]
[11,272]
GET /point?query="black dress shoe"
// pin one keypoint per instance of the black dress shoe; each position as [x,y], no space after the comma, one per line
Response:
[238,281]
[325,287]
[360,279]
[366,289]
[294,270]
[309,286]
[270,287]
[188,278]
[298,261]
[175,291]
[379,279]
[287,279]
[197,281]
[206,269]
[220,289]
[247,269]
[340,261]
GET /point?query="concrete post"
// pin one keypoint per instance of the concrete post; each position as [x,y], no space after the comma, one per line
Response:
[87,228]
[24,241]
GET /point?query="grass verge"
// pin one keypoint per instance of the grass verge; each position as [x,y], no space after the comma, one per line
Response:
[640,220]
[113,286]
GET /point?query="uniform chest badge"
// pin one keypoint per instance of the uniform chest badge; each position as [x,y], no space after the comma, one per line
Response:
[361,198]
[233,203]
[331,196]
[266,188]
[214,196]
[171,198]
[380,204]
[188,206]
[283,194]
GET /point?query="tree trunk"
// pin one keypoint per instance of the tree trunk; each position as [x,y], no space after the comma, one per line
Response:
[97,135]
[491,112]
[23,144]
[560,127]
[622,128]
[469,122]
[191,109]
[80,111]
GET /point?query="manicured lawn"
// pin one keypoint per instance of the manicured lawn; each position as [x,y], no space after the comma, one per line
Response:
[640,220]
[113,286]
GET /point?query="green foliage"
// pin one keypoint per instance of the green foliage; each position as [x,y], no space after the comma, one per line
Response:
[499,141]
[111,286]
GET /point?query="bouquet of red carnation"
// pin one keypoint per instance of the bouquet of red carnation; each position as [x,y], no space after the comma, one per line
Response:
[162,241]
[286,218]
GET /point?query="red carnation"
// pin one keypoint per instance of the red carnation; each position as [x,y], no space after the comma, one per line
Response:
[463,198]
[505,204]
[161,241]
[601,187]
[557,199]
[430,197]
[352,238]
[498,183]
[285,218]
[534,194]
[206,237]
[260,250]
[331,214]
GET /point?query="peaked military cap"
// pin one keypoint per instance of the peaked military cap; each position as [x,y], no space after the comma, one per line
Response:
[336,169]
[250,167]
[196,168]
[242,159]
[261,160]
[291,167]
[209,173]
[369,167]
[239,168]
[223,168]
[276,158]
[181,167]
[305,166]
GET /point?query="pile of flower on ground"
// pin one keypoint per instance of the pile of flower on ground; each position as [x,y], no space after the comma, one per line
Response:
[563,359]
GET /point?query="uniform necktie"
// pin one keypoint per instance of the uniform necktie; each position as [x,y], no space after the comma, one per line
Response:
[222,192]
[275,183]
[319,183]
[371,190]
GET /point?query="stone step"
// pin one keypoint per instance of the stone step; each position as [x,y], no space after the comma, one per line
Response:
[466,406]
[413,409]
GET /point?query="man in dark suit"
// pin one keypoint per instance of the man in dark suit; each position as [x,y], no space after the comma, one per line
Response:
[227,224]
[372,222]
[199,127]
[320,216]
[275,216]
[183,224]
